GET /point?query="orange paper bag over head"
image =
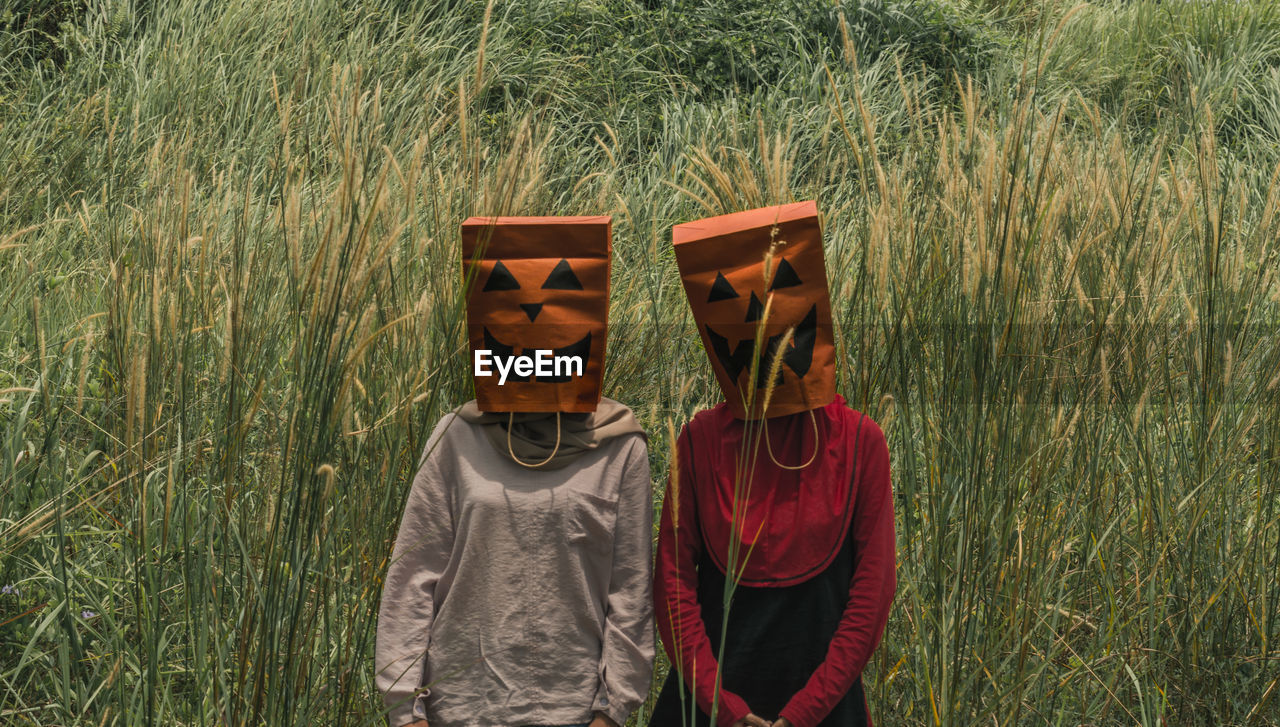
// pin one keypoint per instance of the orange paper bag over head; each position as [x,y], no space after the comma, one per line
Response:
[722,264]
[539,292]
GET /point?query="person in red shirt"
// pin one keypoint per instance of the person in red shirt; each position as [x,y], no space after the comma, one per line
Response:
[814,558]
[775,562]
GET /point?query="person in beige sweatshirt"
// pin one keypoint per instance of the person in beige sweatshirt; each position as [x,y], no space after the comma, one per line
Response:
[520,595]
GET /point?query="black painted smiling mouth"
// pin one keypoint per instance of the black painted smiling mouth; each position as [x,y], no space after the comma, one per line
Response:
[798,358]
[580,348]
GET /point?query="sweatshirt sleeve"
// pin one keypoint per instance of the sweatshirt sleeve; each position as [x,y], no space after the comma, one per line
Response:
[420,555]
[675,595]
[871,589]
[626,660]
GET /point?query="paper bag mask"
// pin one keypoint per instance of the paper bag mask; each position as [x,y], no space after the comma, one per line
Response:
[721,261]
[538,301]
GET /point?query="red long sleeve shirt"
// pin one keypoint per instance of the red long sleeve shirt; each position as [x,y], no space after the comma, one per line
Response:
[784,514]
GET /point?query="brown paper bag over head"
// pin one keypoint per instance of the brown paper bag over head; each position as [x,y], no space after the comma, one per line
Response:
[722,264]
[538,284]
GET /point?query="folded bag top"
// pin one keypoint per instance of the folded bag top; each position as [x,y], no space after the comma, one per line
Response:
[722,265]
[538,284]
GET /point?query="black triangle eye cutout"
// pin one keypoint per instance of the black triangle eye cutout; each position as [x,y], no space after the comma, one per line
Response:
[562,278]
[721,289]
[755,309]
[785,277]
[500,279]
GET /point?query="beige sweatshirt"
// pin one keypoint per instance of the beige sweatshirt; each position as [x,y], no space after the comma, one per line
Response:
[518,596]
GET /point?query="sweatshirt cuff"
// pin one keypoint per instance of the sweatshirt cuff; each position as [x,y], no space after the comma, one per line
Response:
[796,720]
[615,710]
[732,708]
[409,709]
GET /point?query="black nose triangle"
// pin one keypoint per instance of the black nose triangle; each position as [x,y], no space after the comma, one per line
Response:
[531,310]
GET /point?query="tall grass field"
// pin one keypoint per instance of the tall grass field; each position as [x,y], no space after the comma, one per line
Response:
[231,312]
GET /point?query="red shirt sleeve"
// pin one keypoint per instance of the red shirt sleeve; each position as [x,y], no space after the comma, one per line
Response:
[870,590]
[675,595]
